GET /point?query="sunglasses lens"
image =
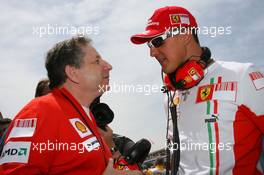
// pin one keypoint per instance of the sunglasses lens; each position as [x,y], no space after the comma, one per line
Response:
[157,42]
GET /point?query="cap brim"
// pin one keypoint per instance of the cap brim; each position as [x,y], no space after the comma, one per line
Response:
[142,38]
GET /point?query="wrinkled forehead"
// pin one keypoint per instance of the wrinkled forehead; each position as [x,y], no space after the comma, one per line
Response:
[90,53]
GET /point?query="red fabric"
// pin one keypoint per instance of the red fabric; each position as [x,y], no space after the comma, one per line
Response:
[191,72]
[163,19]
[205,93]
[53,112]
[247,132]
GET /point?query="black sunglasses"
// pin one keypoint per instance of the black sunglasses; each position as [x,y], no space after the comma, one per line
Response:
[159,40]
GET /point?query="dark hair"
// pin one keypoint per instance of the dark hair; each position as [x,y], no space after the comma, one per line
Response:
[195,36]
[68,52]
[42,87]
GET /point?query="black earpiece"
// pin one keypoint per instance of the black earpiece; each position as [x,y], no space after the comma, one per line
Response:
[102,113]
[137,152]
[206,55]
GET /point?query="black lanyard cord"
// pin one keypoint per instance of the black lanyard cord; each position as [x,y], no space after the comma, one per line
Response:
[176,141]
[168,157]
[172,108]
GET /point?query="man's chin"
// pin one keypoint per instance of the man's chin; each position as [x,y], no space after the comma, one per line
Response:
[104,88]
[168,70]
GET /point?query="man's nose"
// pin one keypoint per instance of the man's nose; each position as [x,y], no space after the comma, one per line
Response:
[153,52]
[107,66]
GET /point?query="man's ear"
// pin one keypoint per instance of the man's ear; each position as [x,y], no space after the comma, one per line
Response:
[72,73]
[187,38]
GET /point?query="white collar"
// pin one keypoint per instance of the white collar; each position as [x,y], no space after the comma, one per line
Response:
[87,111]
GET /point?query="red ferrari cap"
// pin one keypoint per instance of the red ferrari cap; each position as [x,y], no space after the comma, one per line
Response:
[164,19]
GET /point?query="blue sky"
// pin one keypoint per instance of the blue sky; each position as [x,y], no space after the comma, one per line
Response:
[111,23]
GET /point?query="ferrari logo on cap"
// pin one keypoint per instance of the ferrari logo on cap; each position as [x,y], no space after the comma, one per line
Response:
[175,19]
[179,19]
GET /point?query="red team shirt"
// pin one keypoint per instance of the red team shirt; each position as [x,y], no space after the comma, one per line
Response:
[54,135]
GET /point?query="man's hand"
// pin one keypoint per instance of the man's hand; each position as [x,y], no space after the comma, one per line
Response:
[111,171]
[117,156]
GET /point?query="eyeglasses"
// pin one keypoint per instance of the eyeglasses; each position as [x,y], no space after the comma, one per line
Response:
[159,40]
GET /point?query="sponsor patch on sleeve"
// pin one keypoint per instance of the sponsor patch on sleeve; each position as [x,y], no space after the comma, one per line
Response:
[23,128]
[15,152]
[80,127]
[257,79]
[91,144]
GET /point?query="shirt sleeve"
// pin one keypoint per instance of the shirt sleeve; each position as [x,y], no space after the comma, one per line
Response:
[253,94]
[25,150]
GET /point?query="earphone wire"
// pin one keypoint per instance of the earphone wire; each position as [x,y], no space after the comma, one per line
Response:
[168,93]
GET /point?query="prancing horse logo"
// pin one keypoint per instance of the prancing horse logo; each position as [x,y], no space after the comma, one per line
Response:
[205,92]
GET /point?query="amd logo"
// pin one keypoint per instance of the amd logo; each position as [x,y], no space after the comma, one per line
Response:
[14,151]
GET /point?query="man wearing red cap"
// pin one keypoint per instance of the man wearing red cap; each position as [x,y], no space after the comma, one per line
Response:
[219,104]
